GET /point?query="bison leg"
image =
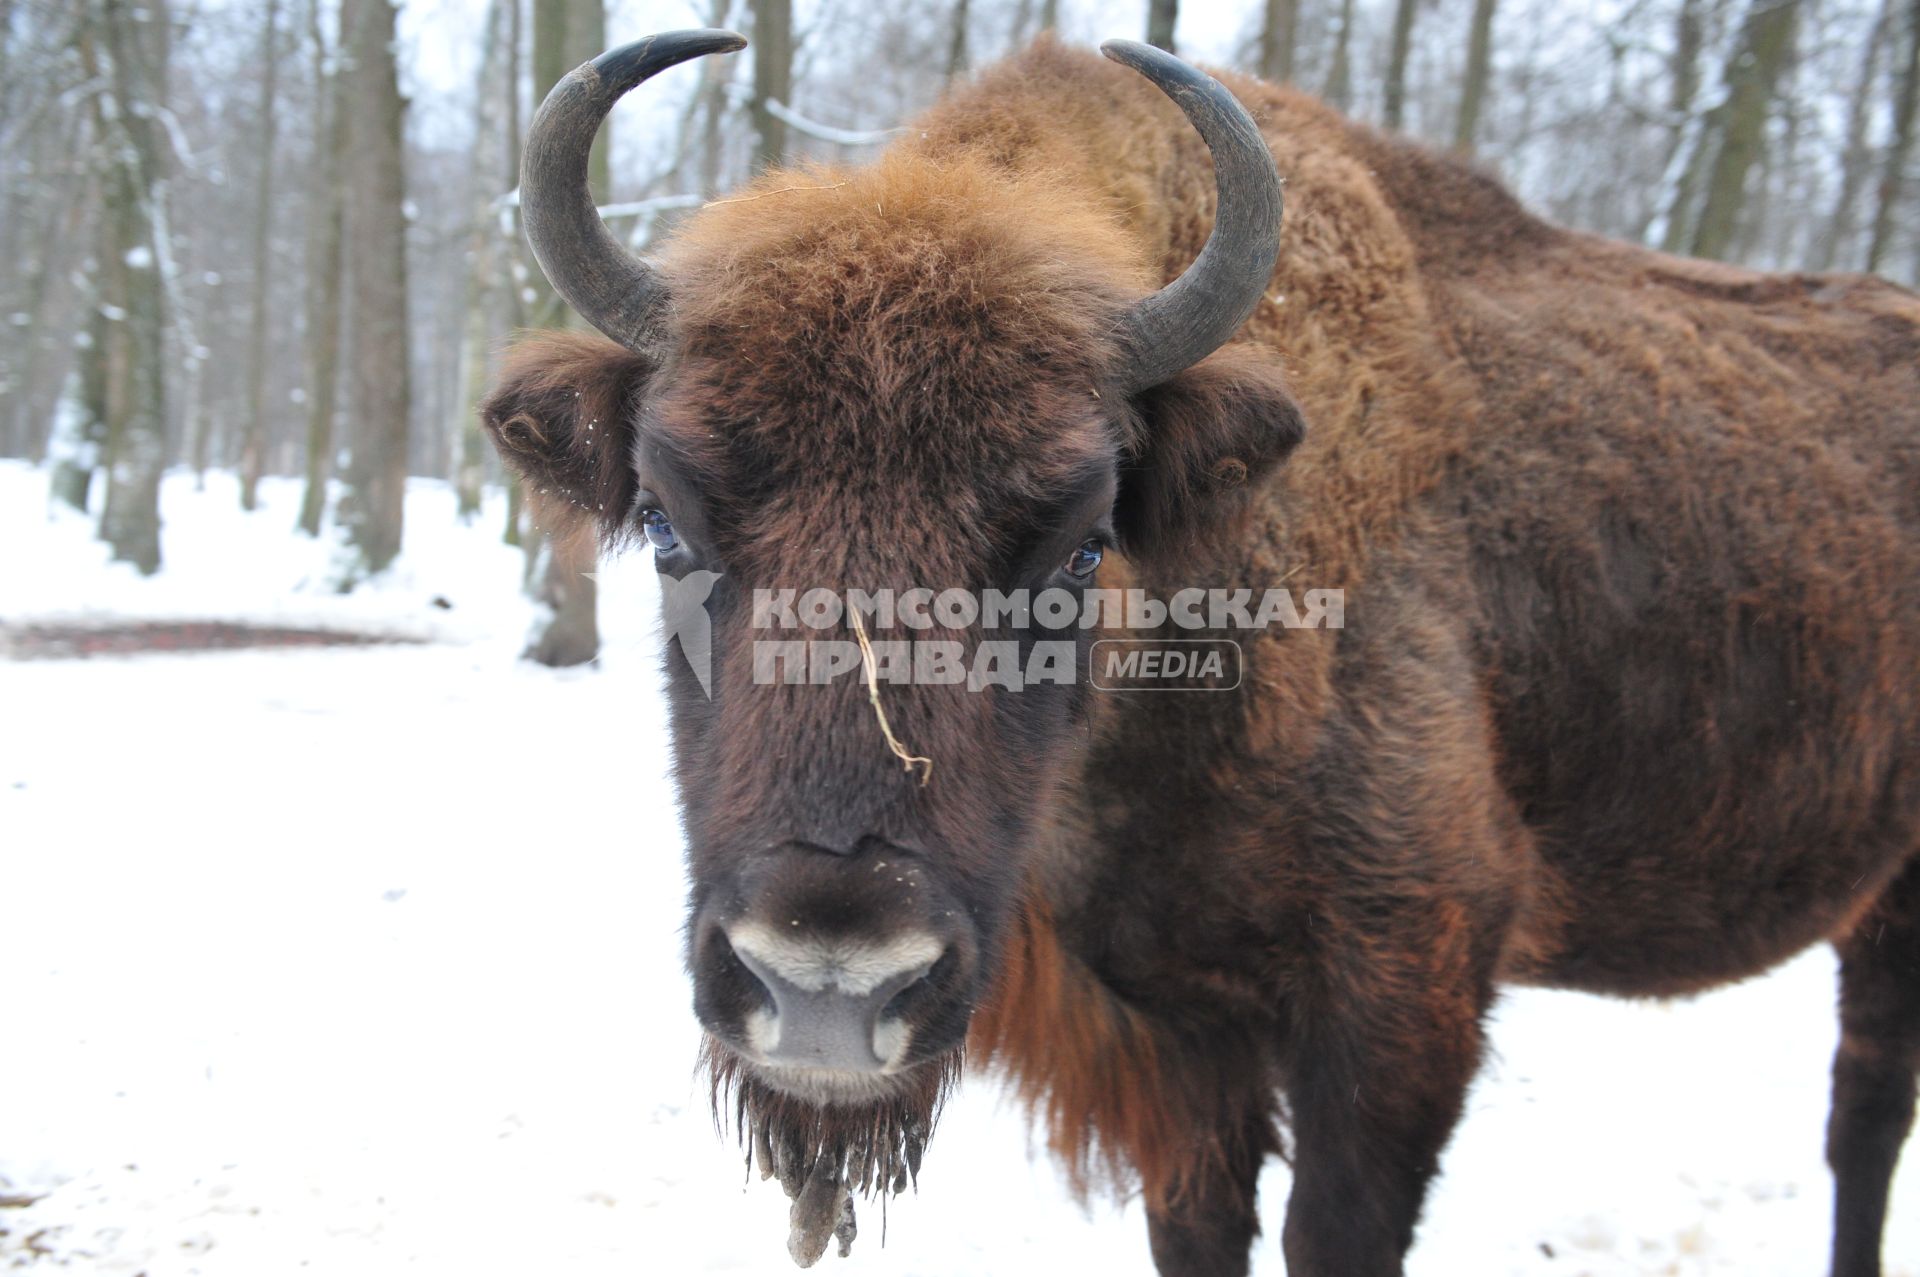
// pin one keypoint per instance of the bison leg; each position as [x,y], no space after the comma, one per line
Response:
[1873,1072]
[1377,1076]
[1210,1230]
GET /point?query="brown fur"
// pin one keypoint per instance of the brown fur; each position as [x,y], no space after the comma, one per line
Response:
[1625,701]
[1090,1067]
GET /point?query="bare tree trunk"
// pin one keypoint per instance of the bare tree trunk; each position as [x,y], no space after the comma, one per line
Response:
[1396,87]
[80,420]
[132,293]
[484,269]
[1689,33]
[516,532]
[1688,148]
[714,73]
[253,430]
[1473,89]
[324,230]
[957,42]
[323,277]
[372,509]
[1858,156]
[1162,17]
[772,79]
[1050,15]
[519,262]
[66,223]
[569,634]
[1339,88]
[1893,174]
[470,466]
[1762,50]
[1279,34]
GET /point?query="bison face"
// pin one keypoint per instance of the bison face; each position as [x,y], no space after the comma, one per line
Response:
[848,413]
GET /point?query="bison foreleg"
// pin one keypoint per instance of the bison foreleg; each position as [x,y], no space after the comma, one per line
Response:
[1873,1073]
[1207,1230]
[1377,1079]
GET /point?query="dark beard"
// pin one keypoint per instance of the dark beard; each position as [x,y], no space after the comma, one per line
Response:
[824,1152]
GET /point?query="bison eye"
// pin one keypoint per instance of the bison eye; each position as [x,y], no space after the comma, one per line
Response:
[659,529]
[1085,559]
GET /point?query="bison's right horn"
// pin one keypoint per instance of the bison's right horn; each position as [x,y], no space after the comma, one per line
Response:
[612,289]
[1193,316]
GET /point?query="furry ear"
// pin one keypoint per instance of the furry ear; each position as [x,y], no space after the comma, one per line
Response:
[1202,442]
[563,415]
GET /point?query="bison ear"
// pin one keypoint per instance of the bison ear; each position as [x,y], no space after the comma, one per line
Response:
[563,415]
[1206,440]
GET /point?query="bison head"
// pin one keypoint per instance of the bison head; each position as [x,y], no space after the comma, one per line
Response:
[937,373]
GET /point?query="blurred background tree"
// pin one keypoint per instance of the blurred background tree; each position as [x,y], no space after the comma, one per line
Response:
[280,237]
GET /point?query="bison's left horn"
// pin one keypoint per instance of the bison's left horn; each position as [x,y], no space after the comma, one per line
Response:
[1193,316]
[615,291]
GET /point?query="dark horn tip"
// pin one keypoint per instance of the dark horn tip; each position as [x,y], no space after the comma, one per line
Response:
[1168,71]
[623,68]
[1128,52]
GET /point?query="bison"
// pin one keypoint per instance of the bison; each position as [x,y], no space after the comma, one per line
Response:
[1624,697]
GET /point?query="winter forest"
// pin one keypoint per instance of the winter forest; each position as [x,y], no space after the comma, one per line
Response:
[280,238]
[342,900]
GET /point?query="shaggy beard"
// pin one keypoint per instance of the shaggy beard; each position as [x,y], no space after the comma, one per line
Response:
[823,1152]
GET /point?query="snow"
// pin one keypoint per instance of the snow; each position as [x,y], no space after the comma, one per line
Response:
[366,961]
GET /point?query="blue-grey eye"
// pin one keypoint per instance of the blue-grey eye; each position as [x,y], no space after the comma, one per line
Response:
[1085,559]
[659,529]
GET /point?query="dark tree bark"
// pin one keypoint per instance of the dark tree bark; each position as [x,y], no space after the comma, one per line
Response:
[772,79]
[1339,87]
[1687,148]
[322,354]
[1279,33]
[133,295]
[1892,175]
[253,429]
[524,274]
[80,428]
[1162,17]
[65,223]
[1395,109]
[372,509]
[487,273]
[569,633]
[1857,158]
[1763,48]
[714,73]
[1689,31]
[957,41]
[1473,88]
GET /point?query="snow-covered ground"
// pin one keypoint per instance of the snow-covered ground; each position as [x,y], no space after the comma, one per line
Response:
[365,961]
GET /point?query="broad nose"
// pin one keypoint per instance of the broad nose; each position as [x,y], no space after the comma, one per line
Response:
[816,963]
[833,1003]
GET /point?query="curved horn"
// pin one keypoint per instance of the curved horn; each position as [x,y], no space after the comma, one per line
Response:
[1193,316]
[612,289]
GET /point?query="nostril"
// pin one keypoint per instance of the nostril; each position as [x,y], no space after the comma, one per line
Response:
[914,986]
[925,992]
[741,972]
[729,997]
